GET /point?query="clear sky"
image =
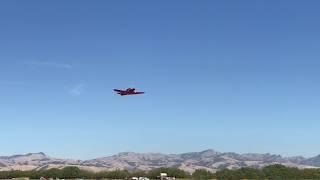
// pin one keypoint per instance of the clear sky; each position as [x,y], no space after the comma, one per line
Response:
[239,76]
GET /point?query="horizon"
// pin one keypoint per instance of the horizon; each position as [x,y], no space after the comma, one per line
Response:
[222,152]
[236,76]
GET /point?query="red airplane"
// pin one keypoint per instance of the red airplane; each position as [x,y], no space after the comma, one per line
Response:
[129,91]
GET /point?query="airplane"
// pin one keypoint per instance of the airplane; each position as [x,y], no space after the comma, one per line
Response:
[129,91]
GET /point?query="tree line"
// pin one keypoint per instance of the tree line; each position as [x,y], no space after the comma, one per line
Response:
[276,171]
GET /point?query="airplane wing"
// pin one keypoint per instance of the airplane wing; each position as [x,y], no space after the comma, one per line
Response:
[117,90]
[138,93]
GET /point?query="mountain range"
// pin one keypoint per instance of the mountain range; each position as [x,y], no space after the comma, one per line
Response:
[208,159]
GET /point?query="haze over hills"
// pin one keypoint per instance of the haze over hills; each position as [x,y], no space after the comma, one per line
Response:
[208,159]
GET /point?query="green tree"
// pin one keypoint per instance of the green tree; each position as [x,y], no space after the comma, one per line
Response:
[52,173]
[250,173]
[117,174]
[279,171]
[70,172]
[138,173]
[310,174]
[227,174]
[202,174]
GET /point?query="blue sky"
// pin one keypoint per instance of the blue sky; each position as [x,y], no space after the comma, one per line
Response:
[238,76]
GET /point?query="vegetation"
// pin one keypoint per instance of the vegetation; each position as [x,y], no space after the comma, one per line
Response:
[203,174]
[172,172]
[269,172]
[276,171]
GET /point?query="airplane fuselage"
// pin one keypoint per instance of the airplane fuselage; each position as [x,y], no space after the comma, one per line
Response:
[129,91]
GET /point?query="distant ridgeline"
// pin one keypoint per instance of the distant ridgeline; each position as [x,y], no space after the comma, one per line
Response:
[203,164]
[276,171]
[210,160]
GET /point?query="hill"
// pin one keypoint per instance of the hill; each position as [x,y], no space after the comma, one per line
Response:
[208,159]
